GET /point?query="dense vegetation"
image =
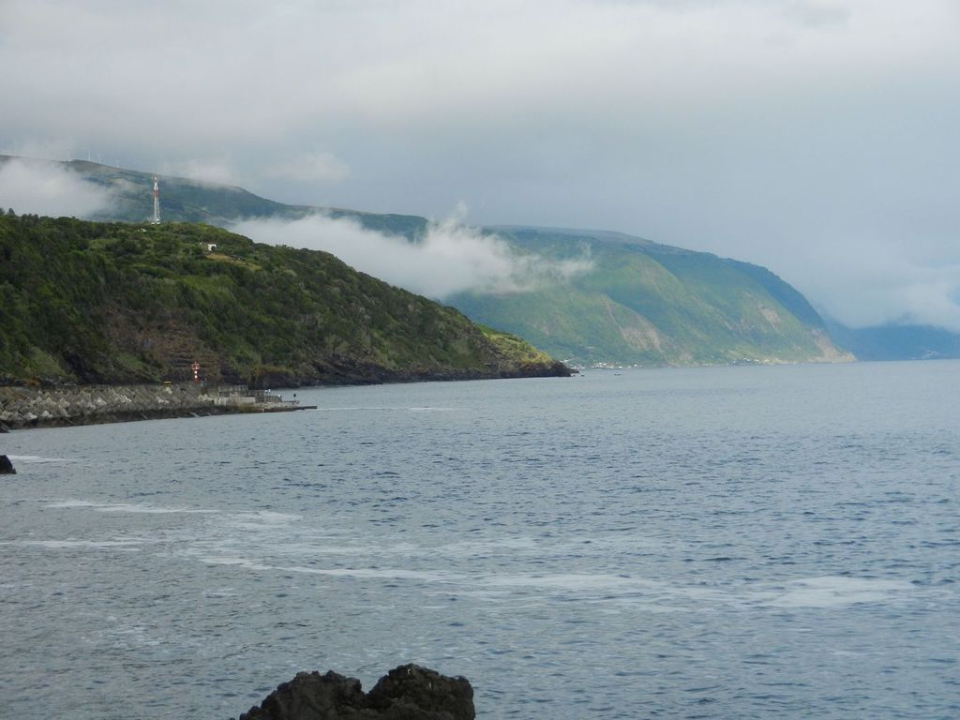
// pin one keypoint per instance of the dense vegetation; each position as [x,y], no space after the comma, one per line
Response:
[117,302]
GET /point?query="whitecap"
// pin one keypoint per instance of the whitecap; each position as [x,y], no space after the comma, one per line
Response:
[72,504]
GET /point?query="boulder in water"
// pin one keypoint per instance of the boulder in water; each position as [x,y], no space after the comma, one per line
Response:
[6,467]
[408,692]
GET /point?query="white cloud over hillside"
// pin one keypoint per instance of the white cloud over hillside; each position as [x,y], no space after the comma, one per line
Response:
[451,258]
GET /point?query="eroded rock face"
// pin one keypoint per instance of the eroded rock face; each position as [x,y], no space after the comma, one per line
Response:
[411,691]
[408,692]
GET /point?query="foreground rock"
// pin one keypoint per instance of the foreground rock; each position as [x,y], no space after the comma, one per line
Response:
[6,467]
[408,692]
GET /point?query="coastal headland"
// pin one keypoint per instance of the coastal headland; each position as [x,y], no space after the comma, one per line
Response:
[114,304]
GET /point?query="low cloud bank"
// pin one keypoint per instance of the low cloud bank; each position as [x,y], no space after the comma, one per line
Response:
[906,295]
[319,166]
[42,188]
[868,281]
[452,258]
[214,171]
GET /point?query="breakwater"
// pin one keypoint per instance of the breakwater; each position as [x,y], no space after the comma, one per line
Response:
[24,407]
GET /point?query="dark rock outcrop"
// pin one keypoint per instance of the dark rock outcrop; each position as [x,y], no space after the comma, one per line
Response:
[6,467]
[408,692]
[411,691]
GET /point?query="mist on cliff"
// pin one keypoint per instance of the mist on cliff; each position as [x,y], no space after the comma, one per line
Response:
[452,257]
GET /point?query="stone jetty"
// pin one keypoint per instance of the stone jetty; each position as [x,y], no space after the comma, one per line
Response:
[24,407]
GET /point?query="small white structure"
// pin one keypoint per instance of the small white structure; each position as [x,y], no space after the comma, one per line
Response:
[156,201]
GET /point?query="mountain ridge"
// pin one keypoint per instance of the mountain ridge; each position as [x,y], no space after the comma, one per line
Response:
[640,303]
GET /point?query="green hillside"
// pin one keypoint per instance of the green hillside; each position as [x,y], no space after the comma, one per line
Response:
[641,303]
[184,200]
[649,304]
[120,302]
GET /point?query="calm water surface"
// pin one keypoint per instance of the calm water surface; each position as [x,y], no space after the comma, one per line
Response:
[765,542]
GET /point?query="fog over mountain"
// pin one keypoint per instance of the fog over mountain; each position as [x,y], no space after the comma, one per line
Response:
[815,137]
[49,189]
[451,258]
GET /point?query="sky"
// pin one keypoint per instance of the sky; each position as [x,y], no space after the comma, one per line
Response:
[819,138]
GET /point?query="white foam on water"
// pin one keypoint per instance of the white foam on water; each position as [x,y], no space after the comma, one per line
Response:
[834,591]
[128,508]
[153,510]
[268,517]
[359,573]
[72,504]
[73,544]
[375,573]
[37,459]
[284,544]
[574,582]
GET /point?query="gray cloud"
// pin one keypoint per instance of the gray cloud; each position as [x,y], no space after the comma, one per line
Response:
[319,166]
[205,170]
[775,132]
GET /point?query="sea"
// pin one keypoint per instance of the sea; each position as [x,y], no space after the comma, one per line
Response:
[730,542]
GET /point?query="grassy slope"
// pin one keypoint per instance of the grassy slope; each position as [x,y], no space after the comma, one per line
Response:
[649,304]
[115,302]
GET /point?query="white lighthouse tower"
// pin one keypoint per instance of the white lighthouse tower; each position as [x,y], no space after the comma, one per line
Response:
[156,202]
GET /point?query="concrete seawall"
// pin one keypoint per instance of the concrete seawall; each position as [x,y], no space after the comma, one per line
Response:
[30,407]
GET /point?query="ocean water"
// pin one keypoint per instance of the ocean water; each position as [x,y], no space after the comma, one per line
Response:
[746,542]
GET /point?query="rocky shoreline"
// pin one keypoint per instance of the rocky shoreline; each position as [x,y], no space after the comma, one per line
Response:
[350,372]
[408,692]
[22,407]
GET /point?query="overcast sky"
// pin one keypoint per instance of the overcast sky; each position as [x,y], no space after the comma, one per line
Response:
[820,138]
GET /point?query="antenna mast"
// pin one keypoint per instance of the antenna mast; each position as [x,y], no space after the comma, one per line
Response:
[156,202]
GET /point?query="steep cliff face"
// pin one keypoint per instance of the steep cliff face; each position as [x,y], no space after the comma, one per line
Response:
[649,304]
[116,303]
